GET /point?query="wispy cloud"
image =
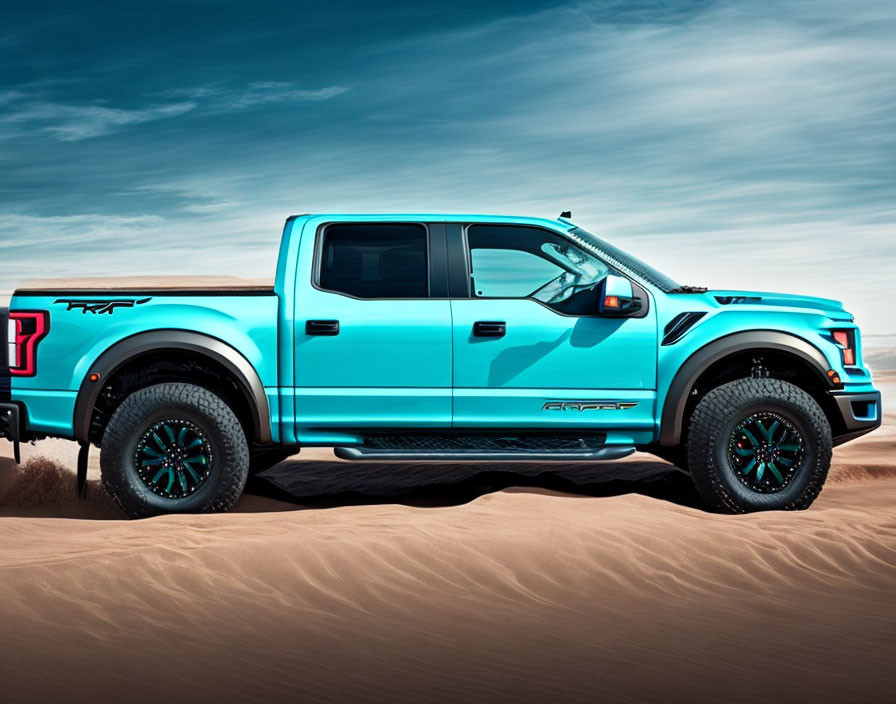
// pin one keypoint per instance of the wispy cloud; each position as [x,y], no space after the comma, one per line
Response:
[72,123]
[9,96]
[67,122]
[220,99]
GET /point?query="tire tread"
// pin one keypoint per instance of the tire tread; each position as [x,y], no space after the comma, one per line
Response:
[125,489]
[703,434]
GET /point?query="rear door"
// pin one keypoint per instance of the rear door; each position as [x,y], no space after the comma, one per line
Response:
[372,328]
[529,348]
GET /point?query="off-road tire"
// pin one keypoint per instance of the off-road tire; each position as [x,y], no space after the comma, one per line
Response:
[200,407]
[714,421]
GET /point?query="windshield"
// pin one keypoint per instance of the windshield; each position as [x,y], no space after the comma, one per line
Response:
[624,260]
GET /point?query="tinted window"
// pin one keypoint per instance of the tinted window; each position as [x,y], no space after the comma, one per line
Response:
[374,261]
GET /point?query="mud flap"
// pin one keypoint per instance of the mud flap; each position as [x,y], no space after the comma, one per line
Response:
[83,456]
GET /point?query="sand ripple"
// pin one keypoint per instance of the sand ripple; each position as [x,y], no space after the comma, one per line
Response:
[511,594]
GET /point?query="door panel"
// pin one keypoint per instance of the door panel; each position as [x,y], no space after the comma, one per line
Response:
[544,359]
[390,364]
[374,361]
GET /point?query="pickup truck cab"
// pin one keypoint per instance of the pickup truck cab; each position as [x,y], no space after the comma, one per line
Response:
[435,337]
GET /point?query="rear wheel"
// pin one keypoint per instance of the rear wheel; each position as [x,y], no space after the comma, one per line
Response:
[174,448]
[758,445]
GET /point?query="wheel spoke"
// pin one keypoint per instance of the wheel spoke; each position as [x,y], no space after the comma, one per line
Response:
[778,451]
[191,470]
[173,458]
[750,437]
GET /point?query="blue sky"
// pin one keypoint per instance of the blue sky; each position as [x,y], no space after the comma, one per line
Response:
[745,145]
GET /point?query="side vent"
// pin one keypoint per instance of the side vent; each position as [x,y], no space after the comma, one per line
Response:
[678,326]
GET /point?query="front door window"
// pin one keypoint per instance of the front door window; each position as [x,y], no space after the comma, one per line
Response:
[527,262]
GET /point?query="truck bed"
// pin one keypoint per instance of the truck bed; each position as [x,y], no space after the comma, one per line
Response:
[149,284]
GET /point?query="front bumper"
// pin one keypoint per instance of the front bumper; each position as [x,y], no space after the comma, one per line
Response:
[10,421]
[861,413]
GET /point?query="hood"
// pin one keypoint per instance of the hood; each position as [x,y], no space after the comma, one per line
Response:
[827,306]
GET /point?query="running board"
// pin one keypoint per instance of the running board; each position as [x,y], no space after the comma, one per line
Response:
[457,455]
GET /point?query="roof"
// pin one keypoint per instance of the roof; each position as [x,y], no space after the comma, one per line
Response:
[435,217]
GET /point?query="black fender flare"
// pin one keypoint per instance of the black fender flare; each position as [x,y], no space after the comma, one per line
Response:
[682,384]
[207,346]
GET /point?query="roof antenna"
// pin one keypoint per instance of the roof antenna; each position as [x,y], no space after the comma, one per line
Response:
[566,214]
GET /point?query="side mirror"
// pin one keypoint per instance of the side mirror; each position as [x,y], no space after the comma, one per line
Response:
[618,298]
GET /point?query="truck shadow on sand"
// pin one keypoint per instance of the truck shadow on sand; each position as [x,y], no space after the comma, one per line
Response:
[328,484]
[42,488]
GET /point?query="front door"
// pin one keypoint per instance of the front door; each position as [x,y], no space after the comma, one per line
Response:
[529,348]
[373,347]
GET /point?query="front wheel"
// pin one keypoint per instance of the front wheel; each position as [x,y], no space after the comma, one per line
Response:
[758,445]
[174,448]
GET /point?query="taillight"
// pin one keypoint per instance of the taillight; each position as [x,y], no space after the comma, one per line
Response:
[26,329]
[846,341]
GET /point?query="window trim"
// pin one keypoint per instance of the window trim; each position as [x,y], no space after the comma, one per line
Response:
[468,257]
[319,249]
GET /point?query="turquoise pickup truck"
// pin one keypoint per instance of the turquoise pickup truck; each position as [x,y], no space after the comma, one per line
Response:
[435,338]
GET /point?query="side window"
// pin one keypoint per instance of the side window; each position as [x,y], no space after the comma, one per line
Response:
[510,261]
[509,273]
[374,261]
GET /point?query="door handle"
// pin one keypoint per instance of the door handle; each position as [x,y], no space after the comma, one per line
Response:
[322,327]
[490,328]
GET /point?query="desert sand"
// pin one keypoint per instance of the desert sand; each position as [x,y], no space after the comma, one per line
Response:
[401,583]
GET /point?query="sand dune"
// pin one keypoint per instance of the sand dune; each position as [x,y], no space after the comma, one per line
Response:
[473,583]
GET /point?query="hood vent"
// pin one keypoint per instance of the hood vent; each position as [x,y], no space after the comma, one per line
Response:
[728,300]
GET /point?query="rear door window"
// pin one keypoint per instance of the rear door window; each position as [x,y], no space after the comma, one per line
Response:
[374,261]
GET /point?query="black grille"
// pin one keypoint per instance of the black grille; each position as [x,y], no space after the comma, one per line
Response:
[487,443]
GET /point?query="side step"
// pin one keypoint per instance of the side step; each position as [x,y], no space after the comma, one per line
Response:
[381,454]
